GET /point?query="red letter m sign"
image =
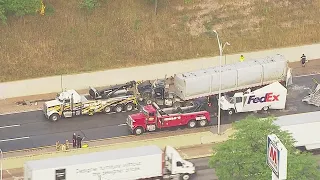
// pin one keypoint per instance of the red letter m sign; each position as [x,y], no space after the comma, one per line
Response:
[273,155]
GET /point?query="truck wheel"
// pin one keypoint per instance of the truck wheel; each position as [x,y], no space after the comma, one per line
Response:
[118,108]
[192,124]
[138,131]
[230,112]
[129,107]
[203,122]
[266,108]
[107,109]
[54,117]
[176,104]
[148,101]
[185,177]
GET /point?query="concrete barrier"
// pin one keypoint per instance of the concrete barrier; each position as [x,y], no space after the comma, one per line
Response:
[116,76]
[30,87]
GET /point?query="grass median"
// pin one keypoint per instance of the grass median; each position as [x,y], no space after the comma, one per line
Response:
[128,33]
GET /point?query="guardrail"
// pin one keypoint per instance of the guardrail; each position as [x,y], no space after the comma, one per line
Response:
[117,76]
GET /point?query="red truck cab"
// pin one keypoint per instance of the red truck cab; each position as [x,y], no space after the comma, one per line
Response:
[152,118]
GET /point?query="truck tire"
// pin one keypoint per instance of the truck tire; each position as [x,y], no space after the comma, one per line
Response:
[266,108]
[189,103]
[54,117]
[230,112]
[148,101]
[129,107]
[192,124]
[138,131]
[147,96]
[118,108]
[107,109]
[203,123]
[176,104]
[185,177]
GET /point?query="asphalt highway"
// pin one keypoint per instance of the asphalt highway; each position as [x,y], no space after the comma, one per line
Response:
[32,129]
[203,170]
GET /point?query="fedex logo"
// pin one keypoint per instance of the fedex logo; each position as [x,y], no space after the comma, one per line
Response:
[269,97]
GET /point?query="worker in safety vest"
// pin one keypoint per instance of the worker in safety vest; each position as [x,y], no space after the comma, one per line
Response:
[241,58]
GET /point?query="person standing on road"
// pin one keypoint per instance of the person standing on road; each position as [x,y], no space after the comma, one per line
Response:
[303,60]
[79,139]
[74,140]
[241,58]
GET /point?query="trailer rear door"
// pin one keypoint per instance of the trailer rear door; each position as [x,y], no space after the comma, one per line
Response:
[289,78]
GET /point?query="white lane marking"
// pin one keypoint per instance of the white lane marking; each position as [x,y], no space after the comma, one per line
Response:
[9,126]
[13,139]
[18,112]
[122,124]
[307,75]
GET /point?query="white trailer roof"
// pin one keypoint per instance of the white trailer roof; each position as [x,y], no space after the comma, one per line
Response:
[304,128]
[235,66]
[94,157]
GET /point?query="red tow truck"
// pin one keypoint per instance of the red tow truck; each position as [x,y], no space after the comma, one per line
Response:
[153,118]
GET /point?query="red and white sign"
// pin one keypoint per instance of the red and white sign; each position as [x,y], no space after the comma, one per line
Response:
[276,157]
[273,157]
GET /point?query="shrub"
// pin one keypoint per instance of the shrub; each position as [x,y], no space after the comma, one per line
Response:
[18,8]
[89,4]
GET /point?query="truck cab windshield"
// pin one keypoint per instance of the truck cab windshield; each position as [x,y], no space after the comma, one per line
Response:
[59,98]
[148,114]
[230,100]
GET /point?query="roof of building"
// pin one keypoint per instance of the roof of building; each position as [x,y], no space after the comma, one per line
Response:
[303,127]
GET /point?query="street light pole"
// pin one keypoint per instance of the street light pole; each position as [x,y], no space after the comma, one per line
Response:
[1,164]
[220,64]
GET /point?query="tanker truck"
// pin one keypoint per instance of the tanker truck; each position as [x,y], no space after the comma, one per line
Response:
[183,88]
[144,162]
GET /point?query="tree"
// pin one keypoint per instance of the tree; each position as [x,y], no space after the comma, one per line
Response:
[243,156]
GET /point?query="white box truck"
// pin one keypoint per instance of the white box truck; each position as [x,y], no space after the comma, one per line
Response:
[124,164]
[272,96]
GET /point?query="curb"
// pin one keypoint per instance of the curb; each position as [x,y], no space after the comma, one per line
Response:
[198,157]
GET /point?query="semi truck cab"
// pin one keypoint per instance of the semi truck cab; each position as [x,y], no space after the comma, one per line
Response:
[176,165]
[65,100]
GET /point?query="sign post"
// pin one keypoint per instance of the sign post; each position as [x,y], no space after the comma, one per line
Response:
[276,157]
